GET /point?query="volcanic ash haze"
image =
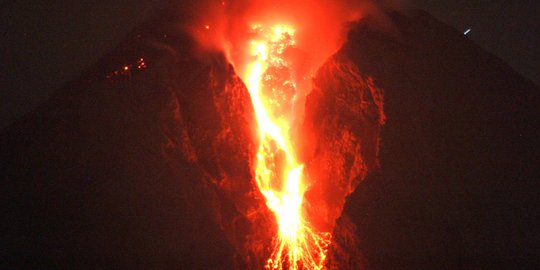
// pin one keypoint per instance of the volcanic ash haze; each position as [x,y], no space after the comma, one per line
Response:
[320,30]
[320,25]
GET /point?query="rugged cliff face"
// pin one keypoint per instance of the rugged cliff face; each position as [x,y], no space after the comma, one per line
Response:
[459,172]
[146,160]
[142,163]
[344,116]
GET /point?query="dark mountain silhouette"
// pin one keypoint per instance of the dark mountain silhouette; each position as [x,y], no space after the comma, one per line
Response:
[458,188]
[144,162]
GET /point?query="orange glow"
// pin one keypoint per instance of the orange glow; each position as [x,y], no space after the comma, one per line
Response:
[279,173]
[141,64]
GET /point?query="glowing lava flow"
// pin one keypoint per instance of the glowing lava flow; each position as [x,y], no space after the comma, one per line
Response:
[278,173]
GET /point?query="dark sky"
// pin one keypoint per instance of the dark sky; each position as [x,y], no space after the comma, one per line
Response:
[46,43]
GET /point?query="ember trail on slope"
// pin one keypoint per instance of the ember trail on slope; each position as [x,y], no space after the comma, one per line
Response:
[278,173]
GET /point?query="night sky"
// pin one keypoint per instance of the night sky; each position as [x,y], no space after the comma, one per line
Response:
[46,43]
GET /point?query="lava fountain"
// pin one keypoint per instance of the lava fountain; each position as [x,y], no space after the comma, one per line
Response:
[279,173]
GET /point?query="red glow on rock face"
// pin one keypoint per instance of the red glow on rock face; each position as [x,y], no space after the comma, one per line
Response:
[276,48]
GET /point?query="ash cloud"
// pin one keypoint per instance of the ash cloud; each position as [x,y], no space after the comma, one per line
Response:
[321,25]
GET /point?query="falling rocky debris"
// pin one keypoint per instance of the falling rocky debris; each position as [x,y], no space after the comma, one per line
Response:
[150,166]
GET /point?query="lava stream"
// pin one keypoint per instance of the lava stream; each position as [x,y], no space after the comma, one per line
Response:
[278,173]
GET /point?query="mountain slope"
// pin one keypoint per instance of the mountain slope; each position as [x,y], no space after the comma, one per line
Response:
[458,185]
[145,161]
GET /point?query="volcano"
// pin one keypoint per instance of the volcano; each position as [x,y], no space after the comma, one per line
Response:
[423,147]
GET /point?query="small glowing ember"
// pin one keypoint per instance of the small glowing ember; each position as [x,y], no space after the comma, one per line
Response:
[278,172]
[127,70]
